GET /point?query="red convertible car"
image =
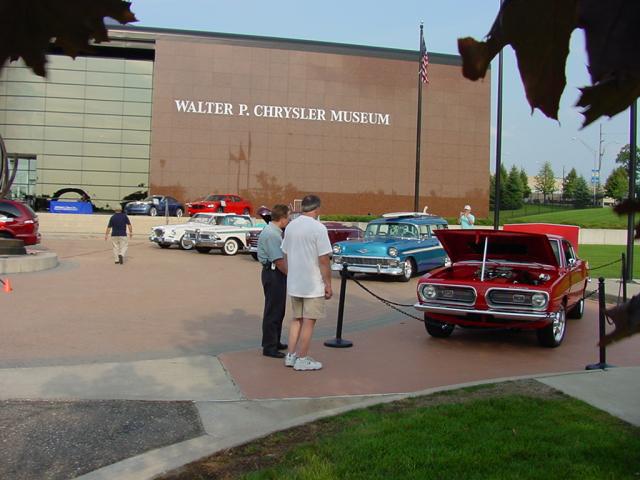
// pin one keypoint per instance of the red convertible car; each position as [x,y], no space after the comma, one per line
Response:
[501,279]
[220,204]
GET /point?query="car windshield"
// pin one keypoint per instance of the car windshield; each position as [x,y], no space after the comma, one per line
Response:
[237,221]
[391,230]
[152,198]
[214,198]
[197,218]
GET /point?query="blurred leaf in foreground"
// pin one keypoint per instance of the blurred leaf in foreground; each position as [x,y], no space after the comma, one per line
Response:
[27,27]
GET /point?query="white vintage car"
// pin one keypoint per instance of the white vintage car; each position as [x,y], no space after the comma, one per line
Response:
[167,235]
[230,234]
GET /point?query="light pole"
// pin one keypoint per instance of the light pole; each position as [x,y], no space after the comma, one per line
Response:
[596,167]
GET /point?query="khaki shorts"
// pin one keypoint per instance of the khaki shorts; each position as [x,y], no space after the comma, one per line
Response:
[308,307]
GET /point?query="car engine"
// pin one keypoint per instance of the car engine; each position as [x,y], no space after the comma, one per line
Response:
[512,275]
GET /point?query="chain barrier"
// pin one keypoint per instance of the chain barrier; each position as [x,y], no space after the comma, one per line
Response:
[389,303]
[605,265]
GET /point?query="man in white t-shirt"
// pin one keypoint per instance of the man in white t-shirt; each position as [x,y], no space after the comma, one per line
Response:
[306,247]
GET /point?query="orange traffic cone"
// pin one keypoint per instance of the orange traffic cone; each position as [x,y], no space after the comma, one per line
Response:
[7,285]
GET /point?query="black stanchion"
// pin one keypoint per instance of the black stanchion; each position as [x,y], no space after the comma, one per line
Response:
[624,277]
[339,342]
[602,364]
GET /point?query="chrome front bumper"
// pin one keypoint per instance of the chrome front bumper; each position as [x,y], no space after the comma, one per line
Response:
[382,269]
[463,312]
[164,240]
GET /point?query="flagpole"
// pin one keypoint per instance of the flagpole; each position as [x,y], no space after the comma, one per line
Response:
[416,196]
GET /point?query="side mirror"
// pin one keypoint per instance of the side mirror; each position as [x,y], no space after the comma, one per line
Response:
[572,262]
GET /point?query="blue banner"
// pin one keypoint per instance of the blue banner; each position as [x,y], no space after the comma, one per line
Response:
[57,206]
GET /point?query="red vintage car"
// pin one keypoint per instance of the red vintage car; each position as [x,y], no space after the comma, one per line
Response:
[17,220]
[220,203]
[501,279]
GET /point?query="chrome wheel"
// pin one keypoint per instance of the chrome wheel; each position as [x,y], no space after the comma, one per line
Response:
[230,247]
[179,212]
[153,211]
[186,244]
[407,270]
[559,324]
[552,335]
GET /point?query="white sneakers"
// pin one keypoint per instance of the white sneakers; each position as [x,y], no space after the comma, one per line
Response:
[301,363]
[290,359]
[306,363]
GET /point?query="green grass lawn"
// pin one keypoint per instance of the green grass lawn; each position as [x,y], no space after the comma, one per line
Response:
[585,218]
[498,438]
[598,255]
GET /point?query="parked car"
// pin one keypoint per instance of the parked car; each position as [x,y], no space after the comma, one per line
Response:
[501,279]
[18,221]
[155,205]
[229,234]
[337,231]
[221,203]
[167,235]
[399,244]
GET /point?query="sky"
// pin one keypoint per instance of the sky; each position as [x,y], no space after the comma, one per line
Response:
[527,140]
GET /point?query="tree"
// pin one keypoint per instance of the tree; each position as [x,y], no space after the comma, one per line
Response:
[513,190]
[569,185]
[492,188]
[526,190]
[617,184]
[624,156]
[545,182]
[582,195]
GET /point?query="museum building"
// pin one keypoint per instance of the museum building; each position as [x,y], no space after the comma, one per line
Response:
[188,113]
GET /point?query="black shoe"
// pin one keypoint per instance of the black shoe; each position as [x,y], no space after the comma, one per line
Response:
[282,346]
[273,354]
[120,259]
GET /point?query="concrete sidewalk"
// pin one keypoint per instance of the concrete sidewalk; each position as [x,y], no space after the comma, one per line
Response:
[226,418]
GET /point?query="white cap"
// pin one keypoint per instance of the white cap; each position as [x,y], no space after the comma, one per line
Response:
[467,207]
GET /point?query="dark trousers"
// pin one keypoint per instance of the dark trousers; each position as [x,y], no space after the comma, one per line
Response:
[274,284]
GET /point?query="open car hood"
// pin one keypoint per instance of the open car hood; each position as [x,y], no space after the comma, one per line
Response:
[465,245]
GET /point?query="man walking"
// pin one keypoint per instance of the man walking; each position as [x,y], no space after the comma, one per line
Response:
[307,247]
[274,281]
[118,224]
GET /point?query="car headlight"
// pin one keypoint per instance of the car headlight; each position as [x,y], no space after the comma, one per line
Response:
[428,292]
[393,252]
[538,300]
[336,249]
[211,205]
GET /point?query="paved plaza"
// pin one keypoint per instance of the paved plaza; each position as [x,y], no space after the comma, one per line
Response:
[182,330]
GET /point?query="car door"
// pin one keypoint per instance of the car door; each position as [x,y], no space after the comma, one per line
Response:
[575,269]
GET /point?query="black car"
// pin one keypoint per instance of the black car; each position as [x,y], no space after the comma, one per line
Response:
[155,205]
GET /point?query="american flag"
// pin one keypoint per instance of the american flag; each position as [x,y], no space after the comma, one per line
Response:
[424,61]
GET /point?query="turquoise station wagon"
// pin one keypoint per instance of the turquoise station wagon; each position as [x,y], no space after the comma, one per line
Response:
[400,244]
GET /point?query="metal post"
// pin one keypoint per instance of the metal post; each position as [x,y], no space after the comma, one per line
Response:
[624,278]
[496,196]
[632,189]
[166,210]
[416,193]
[602,364]
[338,341]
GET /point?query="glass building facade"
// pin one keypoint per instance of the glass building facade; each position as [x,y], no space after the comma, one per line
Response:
[87,125]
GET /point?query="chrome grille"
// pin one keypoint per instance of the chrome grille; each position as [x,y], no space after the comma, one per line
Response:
[510,298]
[197,207]
[159,232]
[446,293]
[370,261]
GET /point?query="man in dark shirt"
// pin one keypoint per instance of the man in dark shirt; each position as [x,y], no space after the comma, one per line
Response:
[274,281]
[118,224]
